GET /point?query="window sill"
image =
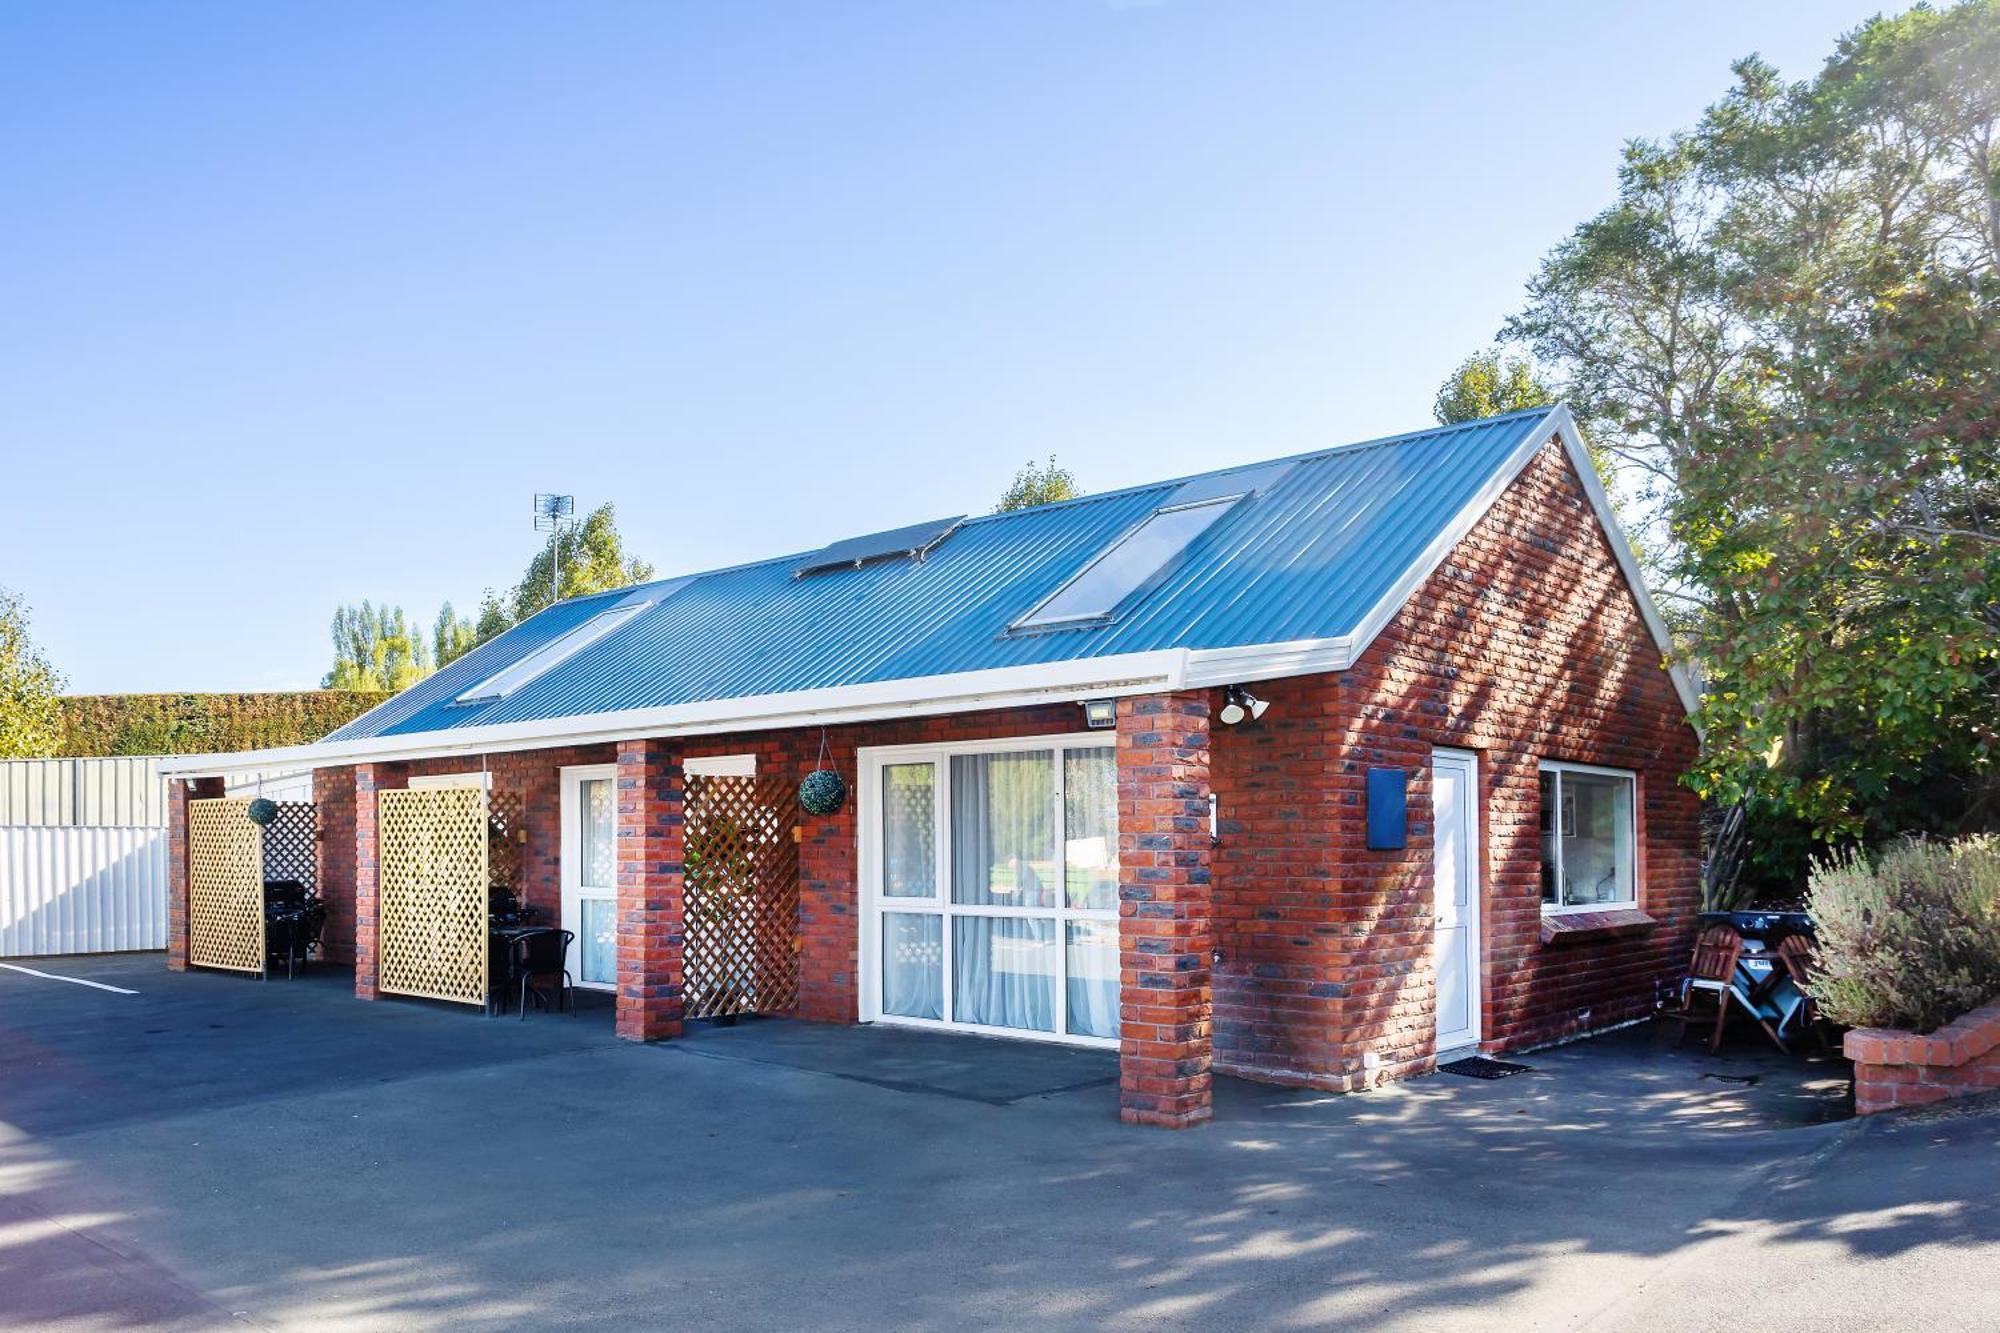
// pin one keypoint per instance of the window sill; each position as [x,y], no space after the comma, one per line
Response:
[1610,923]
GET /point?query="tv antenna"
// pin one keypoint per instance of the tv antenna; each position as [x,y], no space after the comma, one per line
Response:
[555,515]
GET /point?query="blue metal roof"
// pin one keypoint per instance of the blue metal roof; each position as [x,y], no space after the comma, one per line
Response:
[1306,556]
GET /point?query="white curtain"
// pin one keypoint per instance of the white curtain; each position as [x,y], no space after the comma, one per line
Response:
[913,964]
[1093,978]
[1005,970]
[1003,850]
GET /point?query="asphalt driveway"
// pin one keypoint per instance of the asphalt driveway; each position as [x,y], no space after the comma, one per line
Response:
[215,1152]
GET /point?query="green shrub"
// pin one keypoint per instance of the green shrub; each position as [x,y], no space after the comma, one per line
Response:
[106,724]
[1912,940]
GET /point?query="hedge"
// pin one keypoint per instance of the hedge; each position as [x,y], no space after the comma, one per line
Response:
[106,724]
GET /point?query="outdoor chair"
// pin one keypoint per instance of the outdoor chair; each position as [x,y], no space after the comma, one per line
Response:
[1801,962]
[1710,981]
[537,954]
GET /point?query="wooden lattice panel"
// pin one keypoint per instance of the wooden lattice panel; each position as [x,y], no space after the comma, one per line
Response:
[225,886]
[432,915]
[291,845]
[741,913]
[505,824]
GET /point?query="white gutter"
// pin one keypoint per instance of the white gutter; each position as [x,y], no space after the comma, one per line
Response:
[960,692]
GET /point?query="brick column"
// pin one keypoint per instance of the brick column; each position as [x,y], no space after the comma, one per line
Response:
[1166,932]
[651,840]
[179,793]
[368,780]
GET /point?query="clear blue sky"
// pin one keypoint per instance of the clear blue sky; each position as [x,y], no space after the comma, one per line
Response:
[300,303]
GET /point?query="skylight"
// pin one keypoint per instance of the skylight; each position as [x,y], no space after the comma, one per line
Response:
[550,655]
[1128,564]
[912,543]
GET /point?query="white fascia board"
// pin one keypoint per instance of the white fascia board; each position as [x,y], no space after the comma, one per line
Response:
[1268,661]
[960,692]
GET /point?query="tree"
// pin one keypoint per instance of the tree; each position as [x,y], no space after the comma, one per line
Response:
[30,709]
[592,559]
[1038,484]
[452,636]
[1853,516]
[1486,385]
[375,648]
[1773,337]
[494,618]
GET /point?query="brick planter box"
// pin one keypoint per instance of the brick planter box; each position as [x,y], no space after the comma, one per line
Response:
[1894,1069]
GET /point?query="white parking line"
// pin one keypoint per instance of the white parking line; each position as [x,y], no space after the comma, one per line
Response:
[74,981]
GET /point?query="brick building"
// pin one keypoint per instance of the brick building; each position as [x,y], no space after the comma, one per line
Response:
[1308,771]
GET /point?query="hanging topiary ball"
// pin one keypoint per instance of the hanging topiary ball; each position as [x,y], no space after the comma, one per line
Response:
[821,792]
[262,810]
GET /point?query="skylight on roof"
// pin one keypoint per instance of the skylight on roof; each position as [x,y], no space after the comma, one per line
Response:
[550,655]
[1128,564]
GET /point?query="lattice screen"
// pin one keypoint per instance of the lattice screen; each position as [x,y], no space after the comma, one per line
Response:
[504,846]
[291,844]
[225,886]
[741,925]
[433,911]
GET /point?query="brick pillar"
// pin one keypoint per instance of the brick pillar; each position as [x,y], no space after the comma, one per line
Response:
[179,793]
[1166,933]
[651,840]
[369,779]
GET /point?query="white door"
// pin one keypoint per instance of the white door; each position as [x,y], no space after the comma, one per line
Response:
[590,873]
[1455,867]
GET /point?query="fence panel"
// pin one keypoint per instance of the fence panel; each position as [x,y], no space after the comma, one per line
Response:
[432,915]
[225,886]
[82,890]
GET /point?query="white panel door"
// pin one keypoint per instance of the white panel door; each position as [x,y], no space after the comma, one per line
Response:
[1455,868]
[590,873]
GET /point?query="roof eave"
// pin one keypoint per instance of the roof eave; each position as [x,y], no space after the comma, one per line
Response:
[1054,682]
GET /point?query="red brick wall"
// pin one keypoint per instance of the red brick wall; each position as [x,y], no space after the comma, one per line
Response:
[333,799]
[1894,1070]
[179,793]
[1525,645]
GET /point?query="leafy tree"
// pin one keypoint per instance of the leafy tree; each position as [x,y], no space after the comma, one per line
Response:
[1039,484]
[375,648]
[30,710]
[1775,337]
[1852,513]
[452,636]
[494,618]
[1486,385]
[592,559]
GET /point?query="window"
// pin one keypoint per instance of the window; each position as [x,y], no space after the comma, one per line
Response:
[1588,838]
[550,655]
[993,878]
[1128,564]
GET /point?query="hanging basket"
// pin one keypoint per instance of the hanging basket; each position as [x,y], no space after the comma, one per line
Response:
[821,792]
[262,810]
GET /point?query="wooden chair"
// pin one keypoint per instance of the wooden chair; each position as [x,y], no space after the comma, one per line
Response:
[1709,979]
[1801,960]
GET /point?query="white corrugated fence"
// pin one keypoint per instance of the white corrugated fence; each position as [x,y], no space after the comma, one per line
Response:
[83,852]
[82,890]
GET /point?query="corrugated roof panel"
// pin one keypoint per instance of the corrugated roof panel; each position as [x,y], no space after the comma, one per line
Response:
[1320,542]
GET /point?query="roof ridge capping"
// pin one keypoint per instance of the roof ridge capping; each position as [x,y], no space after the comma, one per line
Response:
[1284,461]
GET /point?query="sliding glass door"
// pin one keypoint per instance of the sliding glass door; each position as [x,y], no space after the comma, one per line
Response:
[993,887]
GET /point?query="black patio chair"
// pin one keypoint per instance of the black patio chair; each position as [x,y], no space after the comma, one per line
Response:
[535,954]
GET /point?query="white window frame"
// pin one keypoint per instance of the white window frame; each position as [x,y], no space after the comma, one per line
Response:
[1560,767]
[870,761]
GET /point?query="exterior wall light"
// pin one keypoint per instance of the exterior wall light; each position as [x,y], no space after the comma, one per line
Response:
[1099,714]
[1238,704]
